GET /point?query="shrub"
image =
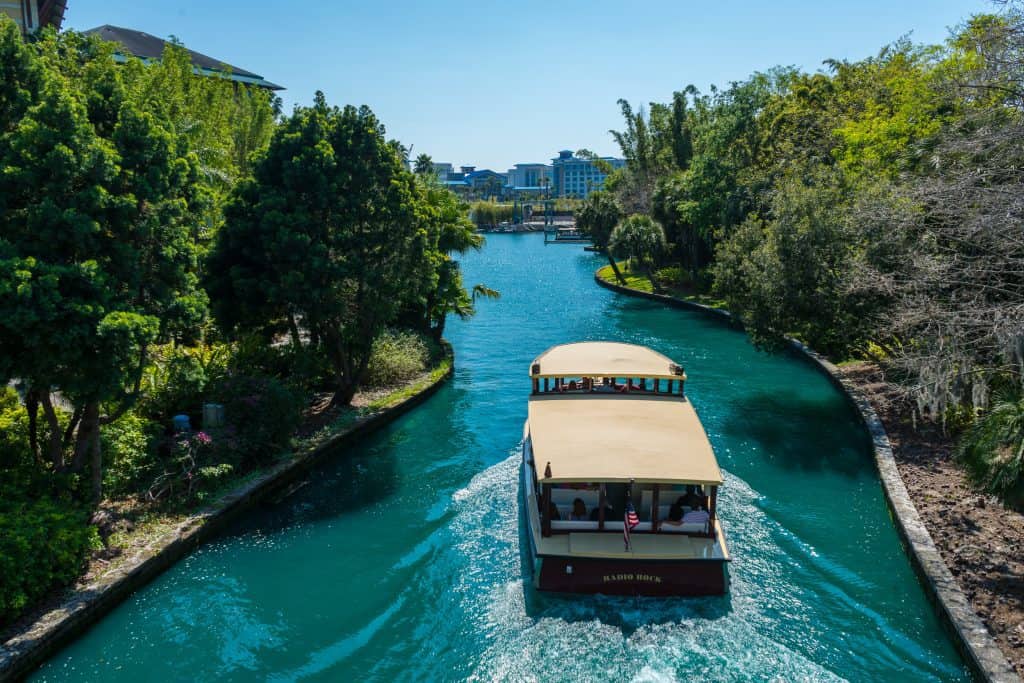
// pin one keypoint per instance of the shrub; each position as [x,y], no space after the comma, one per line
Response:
[673,275]
[130,453]
[396,357]
[178,377]
[43,545]
[14,447]
[261,414]
[192,469]
[489,214]
[993,448]
[303,368]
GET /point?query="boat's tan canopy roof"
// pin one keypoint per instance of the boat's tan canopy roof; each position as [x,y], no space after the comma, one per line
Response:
[604,359]
[618,438]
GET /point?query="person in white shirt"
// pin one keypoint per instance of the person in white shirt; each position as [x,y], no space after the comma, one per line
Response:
[697,516]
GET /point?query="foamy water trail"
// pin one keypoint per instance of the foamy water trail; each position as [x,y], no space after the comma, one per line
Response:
[534,636]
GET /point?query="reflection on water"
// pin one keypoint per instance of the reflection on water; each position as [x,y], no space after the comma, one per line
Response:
[400,559]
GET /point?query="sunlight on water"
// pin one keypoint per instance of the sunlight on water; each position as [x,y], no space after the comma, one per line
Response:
[400,561]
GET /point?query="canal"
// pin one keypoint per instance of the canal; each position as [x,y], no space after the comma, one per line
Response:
[400,560]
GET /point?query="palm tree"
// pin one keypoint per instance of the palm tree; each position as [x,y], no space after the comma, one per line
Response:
[993,447]
[597,216]
[424,165]
[640,239]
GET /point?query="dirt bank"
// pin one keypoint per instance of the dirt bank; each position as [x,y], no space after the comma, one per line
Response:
[979,539]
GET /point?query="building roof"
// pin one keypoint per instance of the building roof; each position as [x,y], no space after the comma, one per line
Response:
[620,438]
[146,46]
[483,172]
[604,359]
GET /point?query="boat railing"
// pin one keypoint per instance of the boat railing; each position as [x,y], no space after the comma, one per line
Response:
[610,385]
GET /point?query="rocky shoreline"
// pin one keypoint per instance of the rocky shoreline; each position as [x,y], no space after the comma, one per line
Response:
[979,539]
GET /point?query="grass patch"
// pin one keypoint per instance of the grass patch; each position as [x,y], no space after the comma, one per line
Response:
[641,283]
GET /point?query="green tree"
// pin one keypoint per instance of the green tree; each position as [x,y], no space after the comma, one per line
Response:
[96,257]
[597,216]
[327,232]
[993,447]
[424,165]
[450,233]
[640,239]
[790,273]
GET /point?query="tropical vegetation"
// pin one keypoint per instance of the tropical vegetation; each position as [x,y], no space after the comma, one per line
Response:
[871,209]
[169,241]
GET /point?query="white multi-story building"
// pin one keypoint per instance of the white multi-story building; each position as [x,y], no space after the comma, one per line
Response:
[574,176]
[443,171]
[529,178]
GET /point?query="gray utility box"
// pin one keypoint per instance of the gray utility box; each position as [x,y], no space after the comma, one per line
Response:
[213,415]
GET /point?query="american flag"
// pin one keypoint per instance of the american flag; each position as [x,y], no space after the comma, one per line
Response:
[632,519]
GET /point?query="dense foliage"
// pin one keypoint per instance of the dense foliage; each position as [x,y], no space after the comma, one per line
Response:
[136,198]
[871,209]
[334,236]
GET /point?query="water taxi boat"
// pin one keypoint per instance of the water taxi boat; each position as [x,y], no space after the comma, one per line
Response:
[566,235]
[619,482]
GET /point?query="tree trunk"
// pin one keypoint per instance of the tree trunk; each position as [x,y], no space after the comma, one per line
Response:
[88,429]
[438,330]
[615,267]
[96,465]
[649,271]
[344,394]
[55,448]
[293,327]
[344,377]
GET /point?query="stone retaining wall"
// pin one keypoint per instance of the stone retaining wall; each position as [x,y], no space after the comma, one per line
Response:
[21,654]
[970,636]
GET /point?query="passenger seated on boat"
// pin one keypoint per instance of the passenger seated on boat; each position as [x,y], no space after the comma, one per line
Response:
[696,516]
[579,511]
[553,513]
[675,515]
[691,498]
[572,385]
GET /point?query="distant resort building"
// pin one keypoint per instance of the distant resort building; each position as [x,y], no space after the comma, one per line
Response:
[442,171]
[578,177]
[32,15]
[149,48]
[566,176]
[529,180]
[469,181]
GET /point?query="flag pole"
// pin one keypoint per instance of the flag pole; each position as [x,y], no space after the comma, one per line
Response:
[630,519]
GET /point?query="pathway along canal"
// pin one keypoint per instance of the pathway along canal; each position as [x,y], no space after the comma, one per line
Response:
[400,560]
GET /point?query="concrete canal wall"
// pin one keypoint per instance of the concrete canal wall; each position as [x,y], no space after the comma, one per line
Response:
[969,634]
[22,653]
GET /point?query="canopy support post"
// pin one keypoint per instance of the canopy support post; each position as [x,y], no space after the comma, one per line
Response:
[712,505]
[654,508]
[601,499]
[545,513]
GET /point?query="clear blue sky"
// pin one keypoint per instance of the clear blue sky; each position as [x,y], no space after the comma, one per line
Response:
[492,84]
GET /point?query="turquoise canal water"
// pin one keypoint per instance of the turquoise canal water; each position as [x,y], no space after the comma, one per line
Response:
[400,560]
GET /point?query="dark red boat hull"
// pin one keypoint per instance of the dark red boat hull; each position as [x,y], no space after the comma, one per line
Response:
[617,577]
